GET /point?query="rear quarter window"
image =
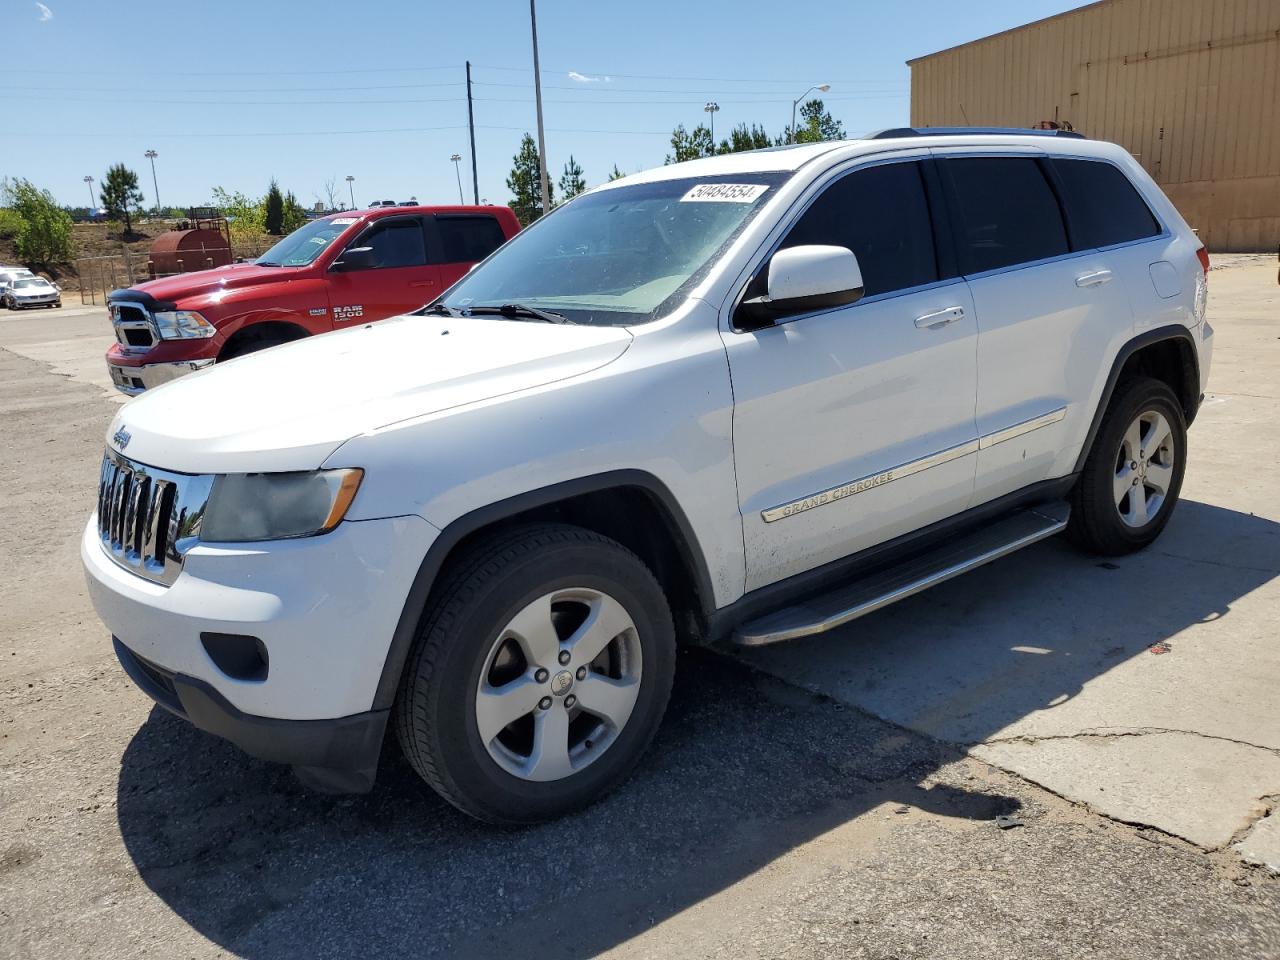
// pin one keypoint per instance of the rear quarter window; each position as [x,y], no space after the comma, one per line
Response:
[468,239]
[1104,207]
[1005,212]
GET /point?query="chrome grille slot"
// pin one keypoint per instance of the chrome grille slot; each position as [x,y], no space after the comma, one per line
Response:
[147,518]
[132,325]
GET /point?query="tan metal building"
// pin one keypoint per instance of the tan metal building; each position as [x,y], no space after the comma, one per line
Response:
[1189,87]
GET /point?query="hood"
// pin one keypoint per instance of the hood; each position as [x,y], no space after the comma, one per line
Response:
[202,282]
[289,407]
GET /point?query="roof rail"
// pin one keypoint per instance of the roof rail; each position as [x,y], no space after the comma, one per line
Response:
[895,132]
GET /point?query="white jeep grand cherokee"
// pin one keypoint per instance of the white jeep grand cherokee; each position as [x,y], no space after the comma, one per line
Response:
[743,399]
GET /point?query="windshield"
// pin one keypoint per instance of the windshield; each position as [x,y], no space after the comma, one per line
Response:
[619,256]
[306,243]
[19,284]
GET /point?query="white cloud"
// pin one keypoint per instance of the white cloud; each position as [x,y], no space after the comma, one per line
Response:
[577,77]
[45,12]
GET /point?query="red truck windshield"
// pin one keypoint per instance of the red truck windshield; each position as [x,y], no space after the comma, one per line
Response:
[301,247]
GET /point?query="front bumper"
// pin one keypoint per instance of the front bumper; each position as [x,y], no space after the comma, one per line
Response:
[134,380]
[23,303]
[324,608]
[334,756]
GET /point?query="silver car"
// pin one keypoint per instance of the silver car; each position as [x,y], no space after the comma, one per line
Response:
[32,292]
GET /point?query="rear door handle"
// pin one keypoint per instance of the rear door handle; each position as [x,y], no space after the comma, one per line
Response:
[1094,279]
[423,283]
[939,319]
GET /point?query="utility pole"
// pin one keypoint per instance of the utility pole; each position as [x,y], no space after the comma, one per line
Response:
[458,170]
[151,155]
[351,190]
[93,204]
[537,94]
[471,123]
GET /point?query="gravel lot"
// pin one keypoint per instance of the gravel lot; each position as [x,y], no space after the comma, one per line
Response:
[768,820]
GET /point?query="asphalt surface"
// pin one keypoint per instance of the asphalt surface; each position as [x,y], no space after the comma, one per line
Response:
[767,820]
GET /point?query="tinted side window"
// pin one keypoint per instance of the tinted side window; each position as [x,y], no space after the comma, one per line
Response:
[396,243]
[881,214]
[468,239]
[1103,205]
[1005,212]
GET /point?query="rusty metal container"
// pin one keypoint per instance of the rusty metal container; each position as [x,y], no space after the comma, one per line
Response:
[207,243]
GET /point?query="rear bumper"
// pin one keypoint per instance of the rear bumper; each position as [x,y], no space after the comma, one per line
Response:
[336,756]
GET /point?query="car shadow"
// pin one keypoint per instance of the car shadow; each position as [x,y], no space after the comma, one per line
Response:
[744,769]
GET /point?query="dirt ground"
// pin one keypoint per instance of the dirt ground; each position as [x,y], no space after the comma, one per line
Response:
[767,821]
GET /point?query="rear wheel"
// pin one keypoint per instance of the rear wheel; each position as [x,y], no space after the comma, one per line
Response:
[1133,475]
[540,674]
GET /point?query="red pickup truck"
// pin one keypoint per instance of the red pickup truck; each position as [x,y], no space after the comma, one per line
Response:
[336,271]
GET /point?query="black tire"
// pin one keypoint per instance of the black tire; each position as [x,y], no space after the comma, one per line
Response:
[1097,524]
[247,346]
[480,593]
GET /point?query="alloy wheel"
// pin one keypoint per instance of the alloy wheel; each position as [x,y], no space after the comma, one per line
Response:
[1144,468]
[559,684]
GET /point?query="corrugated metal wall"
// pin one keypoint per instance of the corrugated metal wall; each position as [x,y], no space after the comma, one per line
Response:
[1190,87]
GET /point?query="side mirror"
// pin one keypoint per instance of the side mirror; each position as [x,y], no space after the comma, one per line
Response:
[806,278]
[355,258]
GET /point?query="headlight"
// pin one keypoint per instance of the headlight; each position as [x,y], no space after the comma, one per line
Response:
[183,325]
[277,506]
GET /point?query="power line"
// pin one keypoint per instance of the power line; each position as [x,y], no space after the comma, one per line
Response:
[330,133]
[97,89]
[578,88]
[243,73]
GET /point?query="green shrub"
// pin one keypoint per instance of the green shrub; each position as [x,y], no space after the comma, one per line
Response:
[43,233]
[10,224]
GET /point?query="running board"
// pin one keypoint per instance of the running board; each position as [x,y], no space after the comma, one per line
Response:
[883,587]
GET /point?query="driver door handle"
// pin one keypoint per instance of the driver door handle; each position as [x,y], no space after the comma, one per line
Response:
[940,318]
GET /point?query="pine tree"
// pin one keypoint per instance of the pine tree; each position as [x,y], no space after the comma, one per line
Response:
[815,125]
[617,174]
[689,145]
[274,216]
[524,183]
[120,194]
[572,182]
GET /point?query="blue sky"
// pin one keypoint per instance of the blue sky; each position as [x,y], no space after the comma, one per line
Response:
[235,92]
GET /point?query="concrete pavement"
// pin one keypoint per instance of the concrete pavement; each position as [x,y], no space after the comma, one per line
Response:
[1145,687]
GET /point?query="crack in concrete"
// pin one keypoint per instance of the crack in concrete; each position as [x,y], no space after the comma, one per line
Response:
[1267,804]
[1086,805]
[1103,733]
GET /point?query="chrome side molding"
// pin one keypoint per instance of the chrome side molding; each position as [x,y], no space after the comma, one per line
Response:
[902,470]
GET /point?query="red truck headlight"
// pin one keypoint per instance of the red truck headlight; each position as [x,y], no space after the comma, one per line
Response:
[182,325]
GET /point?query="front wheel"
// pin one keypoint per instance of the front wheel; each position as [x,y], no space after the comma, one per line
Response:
[1132,477]
[539,676]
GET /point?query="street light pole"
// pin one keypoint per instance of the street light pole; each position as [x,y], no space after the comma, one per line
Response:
[537,94]
[823,87]
[151,155]
[456,158]
[351,190]
[93,204]
[711,108]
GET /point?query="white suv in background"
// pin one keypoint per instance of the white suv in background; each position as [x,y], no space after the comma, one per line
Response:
[743,399]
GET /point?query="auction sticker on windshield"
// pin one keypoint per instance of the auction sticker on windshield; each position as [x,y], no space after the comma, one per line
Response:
[725,193]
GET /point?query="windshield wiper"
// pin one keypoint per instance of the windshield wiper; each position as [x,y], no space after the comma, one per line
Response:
[520,311]
[268,263]
[438,308]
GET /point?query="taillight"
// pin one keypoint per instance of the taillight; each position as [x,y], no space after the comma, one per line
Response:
[1203,254]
